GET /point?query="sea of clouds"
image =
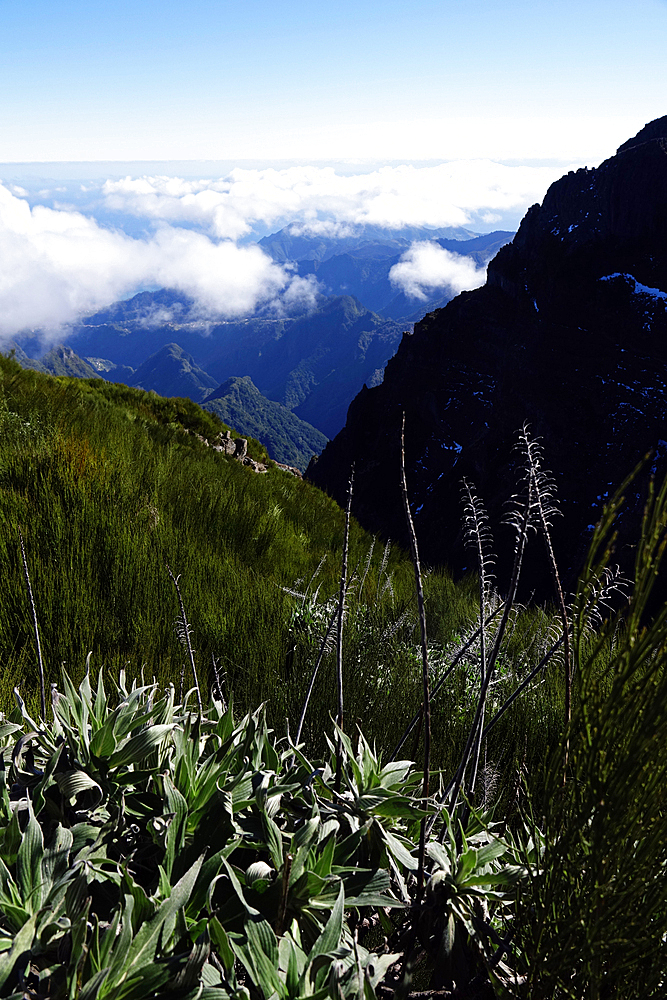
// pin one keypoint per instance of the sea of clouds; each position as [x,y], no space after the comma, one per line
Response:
[68,249]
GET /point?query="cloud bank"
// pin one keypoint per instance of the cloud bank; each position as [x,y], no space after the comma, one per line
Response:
[427,268]
[57,265]
[460,193]
[63,259]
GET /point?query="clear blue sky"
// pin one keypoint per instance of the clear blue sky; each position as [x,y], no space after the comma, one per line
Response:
[210,79]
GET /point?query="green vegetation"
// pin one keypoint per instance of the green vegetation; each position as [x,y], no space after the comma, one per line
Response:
[158,852]
[288,440]
[151,848]
[110,484]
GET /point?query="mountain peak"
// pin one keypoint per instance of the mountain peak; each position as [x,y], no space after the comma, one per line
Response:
[656,129]
[171,371]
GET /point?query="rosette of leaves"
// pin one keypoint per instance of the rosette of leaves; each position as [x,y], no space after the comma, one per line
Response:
[150,850]
[466,922]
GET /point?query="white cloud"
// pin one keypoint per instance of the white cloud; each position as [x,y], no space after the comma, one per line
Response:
[318,198]
[426,268]
[58,265]
[300,296]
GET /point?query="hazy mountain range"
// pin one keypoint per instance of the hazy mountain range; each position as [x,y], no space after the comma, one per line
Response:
[359,264]
[288,379]
[568,333]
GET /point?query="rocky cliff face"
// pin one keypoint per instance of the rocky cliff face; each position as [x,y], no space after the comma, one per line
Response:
[569,333]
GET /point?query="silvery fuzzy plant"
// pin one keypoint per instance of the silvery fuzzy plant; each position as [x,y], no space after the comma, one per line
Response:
[150,849]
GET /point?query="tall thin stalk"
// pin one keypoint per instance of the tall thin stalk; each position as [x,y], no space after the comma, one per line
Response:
[521,520]
[322,650]
[546,508]
[426,706]
[184,633]
[339,636]
[478,538]
[40,661]
[218,681]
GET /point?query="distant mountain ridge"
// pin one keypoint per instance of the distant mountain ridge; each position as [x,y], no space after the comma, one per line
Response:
[296,243]
[173,372]
[312,364]
[288,439]
[319,362]
[359,264]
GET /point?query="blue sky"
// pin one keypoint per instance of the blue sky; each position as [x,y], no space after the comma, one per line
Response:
[150,143]
[160,80]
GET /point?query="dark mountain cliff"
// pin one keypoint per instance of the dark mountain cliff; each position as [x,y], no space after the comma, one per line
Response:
[569,333]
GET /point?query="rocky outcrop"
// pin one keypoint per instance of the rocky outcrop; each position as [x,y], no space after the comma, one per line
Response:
[234,447]
[569,333]
[237,447]
[288,440]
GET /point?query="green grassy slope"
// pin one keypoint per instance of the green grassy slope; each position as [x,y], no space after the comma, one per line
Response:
[109,484]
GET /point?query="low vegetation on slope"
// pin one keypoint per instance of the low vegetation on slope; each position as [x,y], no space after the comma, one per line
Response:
[153,849]
[109,485]
[523,855]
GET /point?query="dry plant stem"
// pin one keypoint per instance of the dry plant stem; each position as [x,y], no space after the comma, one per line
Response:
[426,705]
[318,662]
[418,734]
[367,566]
[339,636]
[542,486]
[477,536]
[563,611]
[186,632]
[454,787]
[218,682]
[40,662]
